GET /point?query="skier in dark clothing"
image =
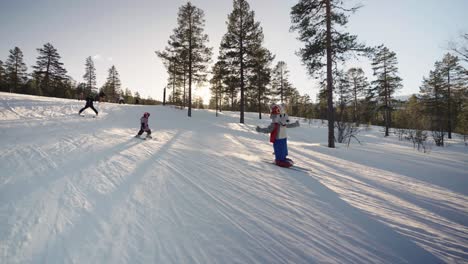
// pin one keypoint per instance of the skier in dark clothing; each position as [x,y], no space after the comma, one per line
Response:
[89,103]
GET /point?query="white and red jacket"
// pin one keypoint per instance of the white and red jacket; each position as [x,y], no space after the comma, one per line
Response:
[277,128]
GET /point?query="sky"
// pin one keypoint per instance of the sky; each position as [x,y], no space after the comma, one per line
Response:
[127,34]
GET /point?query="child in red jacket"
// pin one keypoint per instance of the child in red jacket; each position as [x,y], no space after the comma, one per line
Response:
[277,130]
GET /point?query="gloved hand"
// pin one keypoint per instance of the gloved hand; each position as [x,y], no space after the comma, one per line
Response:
[257,129]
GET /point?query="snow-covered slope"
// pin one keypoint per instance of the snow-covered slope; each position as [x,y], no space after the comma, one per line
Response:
[82,190]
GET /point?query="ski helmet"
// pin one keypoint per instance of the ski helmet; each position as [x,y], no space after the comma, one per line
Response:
[275,110]
[146,114]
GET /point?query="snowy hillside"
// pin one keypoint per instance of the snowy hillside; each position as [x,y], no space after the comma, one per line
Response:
[83,190]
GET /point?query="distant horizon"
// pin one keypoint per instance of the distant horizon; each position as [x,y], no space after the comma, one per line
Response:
[126,35]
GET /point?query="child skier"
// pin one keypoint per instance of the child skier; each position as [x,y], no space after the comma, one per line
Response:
[144,126]
[278,137]
[89,103]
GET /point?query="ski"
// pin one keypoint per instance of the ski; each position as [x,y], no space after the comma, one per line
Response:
[87,116]
[144,138]
[293,167]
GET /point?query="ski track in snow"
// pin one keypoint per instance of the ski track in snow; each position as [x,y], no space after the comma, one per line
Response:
[82,190]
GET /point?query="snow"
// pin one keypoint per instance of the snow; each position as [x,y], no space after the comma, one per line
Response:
[82,190]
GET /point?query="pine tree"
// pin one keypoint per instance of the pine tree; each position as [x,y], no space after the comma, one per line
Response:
[90,75]
[318,23]
[260,77]
[358,82]
[387,81]
[230,78]
[217,86]
[128,95]
[462,122]
[280,81]
[188,44]
[169,62]
[435,103]
[49,71]
[322,98]
[112,87]
[238,45]
[344,92]
[293,100]
[15,70]
[174,58]
[454,79]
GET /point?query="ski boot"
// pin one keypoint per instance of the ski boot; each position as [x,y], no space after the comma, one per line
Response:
[283,163]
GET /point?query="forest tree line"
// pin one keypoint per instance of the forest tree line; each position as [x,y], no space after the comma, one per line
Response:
[49,78]
[246,77]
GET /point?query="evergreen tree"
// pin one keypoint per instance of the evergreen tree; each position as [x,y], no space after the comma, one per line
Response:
[188,44]
[238,46]
[80,91]
[230,77]
[435,103]
[174,58]
[280,82]
[217,86]
[293,101]
[416,114]
[358,82]
[112,87]
[322,104]
[344,92]
[260,77]
[462,122]
[128,95]
[318,23]
[15,70]
[387,81]
[49,71]
[137,98]
[90,75]
[454,79]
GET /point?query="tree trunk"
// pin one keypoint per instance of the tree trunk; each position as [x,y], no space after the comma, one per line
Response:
[241,53]
[16,77]
[184,100]
[281,85]
[386,91]
[331,118]
[259,103]
[355,102]
[173,79]
[216,100]
[46,86]
[190,68]
[449,110]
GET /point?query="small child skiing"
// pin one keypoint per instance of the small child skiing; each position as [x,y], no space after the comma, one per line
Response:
[89,103]
[144,126]
[277,130]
